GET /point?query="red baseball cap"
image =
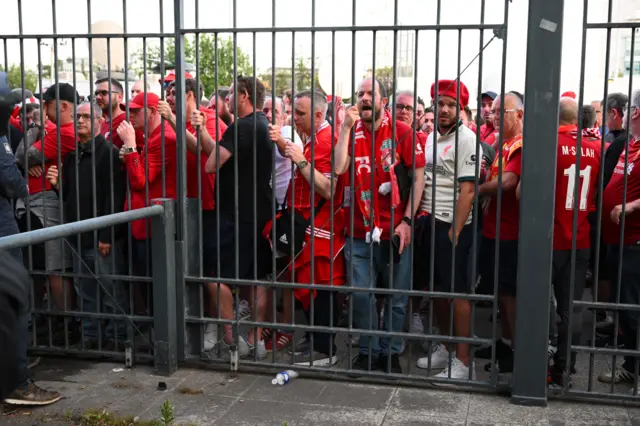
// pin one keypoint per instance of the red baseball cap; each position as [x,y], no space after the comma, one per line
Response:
[138,101]
[449,88]
[172,77]
[569,94]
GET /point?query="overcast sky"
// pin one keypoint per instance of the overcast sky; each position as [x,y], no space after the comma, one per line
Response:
[143,17]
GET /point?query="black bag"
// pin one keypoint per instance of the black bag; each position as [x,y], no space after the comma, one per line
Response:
[286,243]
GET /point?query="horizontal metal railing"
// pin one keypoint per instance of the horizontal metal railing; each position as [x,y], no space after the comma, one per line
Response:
[161,213]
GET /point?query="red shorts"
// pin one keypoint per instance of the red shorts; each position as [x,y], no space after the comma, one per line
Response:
[322,275]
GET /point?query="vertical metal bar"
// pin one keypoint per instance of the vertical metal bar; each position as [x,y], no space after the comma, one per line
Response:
[293,180]
[496,267]
[164,289]
[372,193]
[352,175]
[576,201]
[236,206]
[312,199]
[432,218]
[274,272]
[61,191]
[455,202]
[394,137]
[217,154]
[544,46]
[181,161]
[596,266]
[198,150]
[413,216]
[255,201]
[178,93]
[200,235]
[616,328]
[475,209]
[333,183]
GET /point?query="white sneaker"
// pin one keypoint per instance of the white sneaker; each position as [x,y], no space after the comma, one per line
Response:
[258,349]
[459,371]
[439,358]
[416,323]
[244,310]
[210,336]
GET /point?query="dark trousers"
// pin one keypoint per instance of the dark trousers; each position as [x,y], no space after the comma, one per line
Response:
[324,342]
[561,280]
[629,294]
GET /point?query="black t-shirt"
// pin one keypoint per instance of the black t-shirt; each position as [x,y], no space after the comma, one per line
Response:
[617,138]
[247,164]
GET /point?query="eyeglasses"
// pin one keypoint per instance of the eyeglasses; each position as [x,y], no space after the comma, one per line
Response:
[494,113]
[402,107]
[86,117]
[104,92]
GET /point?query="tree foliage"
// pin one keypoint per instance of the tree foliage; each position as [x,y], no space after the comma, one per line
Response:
[385,76]
[284,79]
[208,61]
[15,80]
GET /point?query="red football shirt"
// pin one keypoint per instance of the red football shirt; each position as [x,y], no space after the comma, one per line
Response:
[612,197]
[108,130]
[140,180]
[49,147]
[486,130]
[208,180]
[405,149]
[565,187]
[510,215]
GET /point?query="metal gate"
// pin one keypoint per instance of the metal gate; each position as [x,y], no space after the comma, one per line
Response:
[215,330]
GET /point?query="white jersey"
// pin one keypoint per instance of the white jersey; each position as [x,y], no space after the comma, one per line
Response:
[445,166]
[283,165]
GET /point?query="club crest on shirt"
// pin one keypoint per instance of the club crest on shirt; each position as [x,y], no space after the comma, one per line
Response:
[385,154]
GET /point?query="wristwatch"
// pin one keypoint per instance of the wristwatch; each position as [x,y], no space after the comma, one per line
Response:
[128,150]
[301,165]
[407,220]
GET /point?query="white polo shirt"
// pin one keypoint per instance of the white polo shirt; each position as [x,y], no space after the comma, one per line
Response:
[445,165]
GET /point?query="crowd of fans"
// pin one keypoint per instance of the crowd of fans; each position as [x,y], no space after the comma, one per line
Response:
[416,175]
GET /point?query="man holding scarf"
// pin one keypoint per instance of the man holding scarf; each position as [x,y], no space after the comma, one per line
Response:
[375,202]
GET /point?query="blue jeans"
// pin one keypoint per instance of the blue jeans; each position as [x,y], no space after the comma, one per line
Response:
[112,293]
[365,315]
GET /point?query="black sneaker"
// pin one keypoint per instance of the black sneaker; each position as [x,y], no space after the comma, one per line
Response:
[361,363]
[504,363]
[557,380]
[396,368]
[32,395]
[502,349]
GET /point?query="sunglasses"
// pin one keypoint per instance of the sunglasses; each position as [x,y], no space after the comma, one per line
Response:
[104,92]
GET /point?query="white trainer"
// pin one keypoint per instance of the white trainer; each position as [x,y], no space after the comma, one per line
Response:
[439,358]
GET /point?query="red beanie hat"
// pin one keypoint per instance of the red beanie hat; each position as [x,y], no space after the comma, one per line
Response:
[449,88]
[569,94]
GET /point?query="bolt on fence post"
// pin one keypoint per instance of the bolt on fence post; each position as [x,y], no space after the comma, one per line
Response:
[164,288]
[542,87]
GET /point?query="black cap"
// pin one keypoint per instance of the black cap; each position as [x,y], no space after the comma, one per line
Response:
[489,93]
[66,92]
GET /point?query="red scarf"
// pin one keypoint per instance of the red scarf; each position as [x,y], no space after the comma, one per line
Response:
[592,133]
[384,169]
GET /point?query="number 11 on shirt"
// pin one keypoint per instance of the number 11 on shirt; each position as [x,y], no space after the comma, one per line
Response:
[585,177]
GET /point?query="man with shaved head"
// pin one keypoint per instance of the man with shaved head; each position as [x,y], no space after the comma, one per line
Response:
[569,179]
[507,241]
